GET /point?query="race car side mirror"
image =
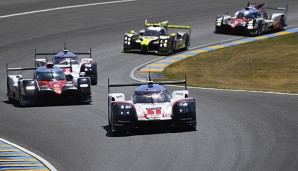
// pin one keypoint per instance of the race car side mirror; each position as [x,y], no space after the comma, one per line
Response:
[142,32]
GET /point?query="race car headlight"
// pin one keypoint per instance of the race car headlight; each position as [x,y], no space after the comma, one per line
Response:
[163,43]
[84,85]
[250,27]
[123,109]
[127,40]
[218,21]
[88,69]
[87,65]
[250,24]
[30,88]
[182,104]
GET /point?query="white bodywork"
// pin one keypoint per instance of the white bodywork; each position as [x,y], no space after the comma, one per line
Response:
[152,111]
[13,86]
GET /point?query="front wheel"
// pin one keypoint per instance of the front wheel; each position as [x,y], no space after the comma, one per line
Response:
[282,24]
[21,100]
[171,48]
[259,30]
[218,29]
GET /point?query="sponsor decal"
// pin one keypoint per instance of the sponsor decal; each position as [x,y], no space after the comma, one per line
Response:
[66,69]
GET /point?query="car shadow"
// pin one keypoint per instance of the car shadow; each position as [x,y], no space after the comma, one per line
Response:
[146,131]
[240,33]
[45,104]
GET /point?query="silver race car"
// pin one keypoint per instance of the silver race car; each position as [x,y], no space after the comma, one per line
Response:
[253,20]
[151,105]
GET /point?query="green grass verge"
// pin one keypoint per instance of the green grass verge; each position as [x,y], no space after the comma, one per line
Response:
[265,65]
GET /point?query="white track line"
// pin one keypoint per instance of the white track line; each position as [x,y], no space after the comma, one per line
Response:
[66,7]
[46,163]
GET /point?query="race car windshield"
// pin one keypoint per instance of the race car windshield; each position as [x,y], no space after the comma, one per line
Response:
[245,15]
[49,76]
[66,61]
[149,97]
[151,33]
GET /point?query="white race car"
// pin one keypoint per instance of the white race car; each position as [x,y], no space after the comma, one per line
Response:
[253,20]
[49,84]
[70,63]
[151,104]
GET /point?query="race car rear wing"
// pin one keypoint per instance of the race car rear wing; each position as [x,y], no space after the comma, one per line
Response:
[285,9]
[19,69]
[166,24]
[149,82]
[54,53]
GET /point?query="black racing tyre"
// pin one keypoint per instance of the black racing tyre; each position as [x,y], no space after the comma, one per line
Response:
[8,92]
[282,24]
[126,51]
[171,49]
[218,29]
[187,42]
[259,30]
[21,100]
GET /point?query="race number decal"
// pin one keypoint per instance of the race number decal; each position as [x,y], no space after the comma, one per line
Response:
[153,111]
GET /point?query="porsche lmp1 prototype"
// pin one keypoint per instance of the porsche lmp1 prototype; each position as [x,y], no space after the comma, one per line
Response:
[151,105]
[157,39]
[49,84]
[253,20]
[69,62]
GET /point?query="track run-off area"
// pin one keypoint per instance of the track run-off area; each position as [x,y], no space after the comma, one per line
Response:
[236,130]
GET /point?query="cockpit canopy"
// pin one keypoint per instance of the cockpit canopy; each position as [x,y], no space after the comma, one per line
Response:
[155,31]
[248,14]
[65,60]
[49,75]
[151,97]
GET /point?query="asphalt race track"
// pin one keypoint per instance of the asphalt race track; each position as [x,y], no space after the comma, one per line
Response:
[236,130]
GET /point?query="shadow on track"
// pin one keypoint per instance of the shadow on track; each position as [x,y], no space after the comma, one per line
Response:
[147,131]
[45,104]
